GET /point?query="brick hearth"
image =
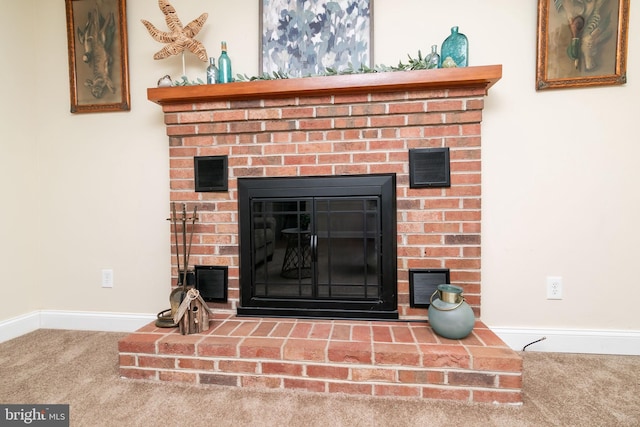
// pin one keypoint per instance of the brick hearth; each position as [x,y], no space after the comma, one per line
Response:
[340,125]
[354,357]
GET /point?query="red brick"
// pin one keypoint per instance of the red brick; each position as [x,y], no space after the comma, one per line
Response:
[297,112]
[306,124]
[196,364]
[219,346]
[178,345]
[351,388]
[238,366]
[396,354]
[396,390]
[217,379]
[495,359]
[510,381]
[420,377]
[308,350]
[262,348]
[446,393]
[156,362]
[329,372]
[284,368]
[451,356]
[445,105]
[178,377]
[332,111]
[139,343]
[473,379]
[349,352]
[361,333]
[126,360]
[373,374]
[260,382]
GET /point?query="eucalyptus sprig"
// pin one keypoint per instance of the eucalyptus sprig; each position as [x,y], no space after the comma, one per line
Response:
[418,63]
[184,81]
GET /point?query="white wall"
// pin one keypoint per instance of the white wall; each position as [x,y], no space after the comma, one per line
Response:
[559,188]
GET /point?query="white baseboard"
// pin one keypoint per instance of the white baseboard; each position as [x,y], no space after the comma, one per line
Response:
[73,320]
[572,340]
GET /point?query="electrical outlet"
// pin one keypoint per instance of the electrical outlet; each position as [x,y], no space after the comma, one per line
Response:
[554,287]
[107,278]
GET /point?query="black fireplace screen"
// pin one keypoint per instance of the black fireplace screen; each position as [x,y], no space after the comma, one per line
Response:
[318,246]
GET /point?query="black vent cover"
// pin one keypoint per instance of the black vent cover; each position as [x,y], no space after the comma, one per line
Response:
[212,282]
[429,167]
[423,283]
[210,173]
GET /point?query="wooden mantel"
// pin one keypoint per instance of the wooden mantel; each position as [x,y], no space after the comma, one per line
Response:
[483,76]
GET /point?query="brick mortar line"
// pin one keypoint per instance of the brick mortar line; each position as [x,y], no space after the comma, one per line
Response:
[334,380]
[316,363]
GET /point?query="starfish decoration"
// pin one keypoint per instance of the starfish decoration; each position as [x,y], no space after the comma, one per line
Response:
[178,38]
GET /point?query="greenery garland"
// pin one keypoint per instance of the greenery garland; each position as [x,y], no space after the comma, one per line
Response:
[419,63]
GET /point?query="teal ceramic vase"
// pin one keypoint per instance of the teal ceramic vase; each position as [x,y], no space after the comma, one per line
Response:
[456,47]
[449,314]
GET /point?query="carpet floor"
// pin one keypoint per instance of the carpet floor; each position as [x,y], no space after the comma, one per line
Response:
[81,369]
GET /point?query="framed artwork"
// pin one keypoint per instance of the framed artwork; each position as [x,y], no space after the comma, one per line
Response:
[582,43]
[304,37]
[98,58]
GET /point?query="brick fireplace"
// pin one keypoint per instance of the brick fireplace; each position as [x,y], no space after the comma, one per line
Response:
[328,126]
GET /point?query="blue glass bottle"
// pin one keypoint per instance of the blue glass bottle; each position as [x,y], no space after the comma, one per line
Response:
[224,66]
[456,47]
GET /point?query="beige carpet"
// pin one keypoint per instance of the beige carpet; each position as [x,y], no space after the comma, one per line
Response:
[81,369]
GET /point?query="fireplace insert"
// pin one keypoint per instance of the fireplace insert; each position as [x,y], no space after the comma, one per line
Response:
[318,246]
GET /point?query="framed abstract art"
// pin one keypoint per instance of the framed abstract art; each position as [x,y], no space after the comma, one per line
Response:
[305,37]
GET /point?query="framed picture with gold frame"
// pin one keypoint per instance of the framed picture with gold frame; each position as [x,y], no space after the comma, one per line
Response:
[98,57]
[582,43]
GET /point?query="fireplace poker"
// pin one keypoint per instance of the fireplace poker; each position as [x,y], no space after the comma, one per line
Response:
[174,220]
[187,251]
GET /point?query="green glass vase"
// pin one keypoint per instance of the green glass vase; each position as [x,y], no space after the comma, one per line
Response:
[449,315]
[456,47]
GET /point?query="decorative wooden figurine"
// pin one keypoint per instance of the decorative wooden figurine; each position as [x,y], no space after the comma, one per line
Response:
[192,316]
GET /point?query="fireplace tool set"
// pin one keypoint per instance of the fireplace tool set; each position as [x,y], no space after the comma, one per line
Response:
[188,310]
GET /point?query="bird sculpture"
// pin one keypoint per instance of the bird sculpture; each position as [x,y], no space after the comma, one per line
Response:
[178,38]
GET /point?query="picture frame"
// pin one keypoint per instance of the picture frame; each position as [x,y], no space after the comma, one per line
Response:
[581,43]
[305,37]
[98,55]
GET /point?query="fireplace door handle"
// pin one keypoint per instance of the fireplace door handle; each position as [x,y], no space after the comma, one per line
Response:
[314,247]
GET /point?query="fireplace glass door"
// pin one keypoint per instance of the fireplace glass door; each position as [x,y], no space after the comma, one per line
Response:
[319,251]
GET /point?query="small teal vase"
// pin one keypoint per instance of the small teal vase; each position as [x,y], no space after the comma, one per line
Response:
[456,47]
[449,314]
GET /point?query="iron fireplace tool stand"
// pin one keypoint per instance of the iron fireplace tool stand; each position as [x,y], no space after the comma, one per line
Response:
[165,317]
